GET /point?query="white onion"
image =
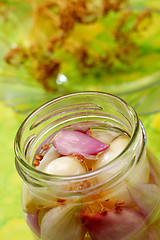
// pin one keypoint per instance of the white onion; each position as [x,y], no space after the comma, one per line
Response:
[61,223]
[65,166]
[105,136]
[32,202]
[140,173]
[115,148]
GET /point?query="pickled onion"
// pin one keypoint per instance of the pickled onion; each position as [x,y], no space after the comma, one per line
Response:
[115,226]
[147,198]
[32,220]
[75,142]
[61,223]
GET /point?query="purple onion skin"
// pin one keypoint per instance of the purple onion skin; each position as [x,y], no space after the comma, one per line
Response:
[32,220]
[123,225]
[75,142]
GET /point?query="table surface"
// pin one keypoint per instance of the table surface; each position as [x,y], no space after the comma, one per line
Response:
[12,224]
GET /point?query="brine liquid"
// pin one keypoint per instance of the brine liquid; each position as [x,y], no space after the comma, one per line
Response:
[143,204]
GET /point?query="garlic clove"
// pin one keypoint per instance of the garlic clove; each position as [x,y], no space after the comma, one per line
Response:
[115,148]
[126,224]
[61,223]
[50,155]
[105,136]
[65,166]
[75,142]
[140,173]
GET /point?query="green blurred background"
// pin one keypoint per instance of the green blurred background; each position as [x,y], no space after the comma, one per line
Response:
[50,48]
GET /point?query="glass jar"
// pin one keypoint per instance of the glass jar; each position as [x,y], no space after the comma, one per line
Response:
[119,200]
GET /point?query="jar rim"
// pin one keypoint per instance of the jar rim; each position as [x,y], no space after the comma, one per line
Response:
[35,172]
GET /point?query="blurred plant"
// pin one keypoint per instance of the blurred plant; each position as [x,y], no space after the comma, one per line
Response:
[69,36]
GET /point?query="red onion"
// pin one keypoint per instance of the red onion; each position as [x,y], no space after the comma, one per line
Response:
[32,220]
[75,142]
[115,226]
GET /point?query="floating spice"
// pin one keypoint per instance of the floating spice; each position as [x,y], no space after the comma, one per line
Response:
[45,147]
[39,157]
[36,163]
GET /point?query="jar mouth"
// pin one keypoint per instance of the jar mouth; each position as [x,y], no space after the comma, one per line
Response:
[35,173]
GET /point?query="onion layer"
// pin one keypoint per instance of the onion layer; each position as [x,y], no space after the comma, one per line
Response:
[74,142]
[115,226]
[61,224]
